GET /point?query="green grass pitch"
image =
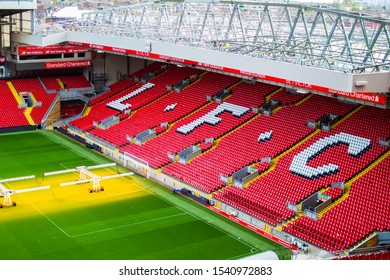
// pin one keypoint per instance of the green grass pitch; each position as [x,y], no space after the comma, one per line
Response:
[148,223]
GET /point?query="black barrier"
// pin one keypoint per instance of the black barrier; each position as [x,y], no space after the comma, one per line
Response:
[200,199]
[17,128]
[79,139]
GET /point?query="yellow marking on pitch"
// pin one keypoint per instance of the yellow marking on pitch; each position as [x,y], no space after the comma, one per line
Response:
[60,199]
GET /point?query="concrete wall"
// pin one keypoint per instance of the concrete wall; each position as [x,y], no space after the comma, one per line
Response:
[136,64]
[115,64]
[375,83]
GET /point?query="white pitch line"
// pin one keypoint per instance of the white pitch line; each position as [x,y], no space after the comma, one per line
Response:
[178,207]
[127,225]
[154,194]
[76,161]
[50,220]
[67,148]
[64,166]
[30,150]
[243,255]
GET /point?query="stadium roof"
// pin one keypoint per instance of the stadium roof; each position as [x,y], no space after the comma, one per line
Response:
[70,13]
[309,48]
[311,35]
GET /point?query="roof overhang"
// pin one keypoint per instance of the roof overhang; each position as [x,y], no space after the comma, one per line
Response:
[364,88]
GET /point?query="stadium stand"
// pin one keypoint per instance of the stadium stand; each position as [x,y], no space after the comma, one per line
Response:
[114,89]
[155,151]
[204,172]
[11,114]
[241,137]
[251,151]
[99,111]
[142,120]
[269,191]
[34,86]
[361,213]
[287,187]
[285,98]
[75,82]
[127,82]
[224,119]
[51,83]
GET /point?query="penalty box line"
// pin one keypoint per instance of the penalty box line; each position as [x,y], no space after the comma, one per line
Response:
[197,218]
[81,162]
[184,212]
[71,236]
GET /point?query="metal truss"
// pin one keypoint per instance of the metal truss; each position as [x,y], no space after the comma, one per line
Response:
[308,35]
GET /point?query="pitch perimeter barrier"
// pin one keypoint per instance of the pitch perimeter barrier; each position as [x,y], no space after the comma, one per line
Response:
[101,165]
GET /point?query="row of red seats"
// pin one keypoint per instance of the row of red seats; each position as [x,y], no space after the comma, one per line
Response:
[262,166]
[71,82]
[174,142]
[11,114]
[142,119]
[280,186]
[11,118]
[286,98]
[334,193]
[97,113]
[35,87]
[367,207]
[204,146]
[160,129]
[122,85]
[243,148]
[75,82]
[247,95]
[51,83]
[250,95]
[265,216]
[157,67]
[114,90]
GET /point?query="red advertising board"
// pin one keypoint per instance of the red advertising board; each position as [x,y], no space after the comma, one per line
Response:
[54,49]
[3,59]
[364,96]
[67,64]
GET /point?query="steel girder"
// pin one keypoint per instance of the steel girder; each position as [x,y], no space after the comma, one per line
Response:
[302,34]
